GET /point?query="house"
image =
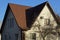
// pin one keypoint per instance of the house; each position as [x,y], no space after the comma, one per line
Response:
[30,23]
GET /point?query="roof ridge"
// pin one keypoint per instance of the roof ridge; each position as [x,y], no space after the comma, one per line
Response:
[18,4]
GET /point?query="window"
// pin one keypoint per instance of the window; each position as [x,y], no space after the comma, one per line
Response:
[7,37]
[16,36]
[47,21]
[33,36]
[10,22]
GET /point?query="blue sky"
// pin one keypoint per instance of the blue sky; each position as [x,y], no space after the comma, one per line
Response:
[55,4]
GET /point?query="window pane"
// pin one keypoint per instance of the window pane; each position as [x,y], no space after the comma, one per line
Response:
[7,37]
[47,21]
[33,36]
[16,35]
[10,22]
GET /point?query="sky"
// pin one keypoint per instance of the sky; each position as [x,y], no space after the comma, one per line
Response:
[55,4]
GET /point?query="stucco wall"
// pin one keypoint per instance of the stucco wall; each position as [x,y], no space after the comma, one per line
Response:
[46,14]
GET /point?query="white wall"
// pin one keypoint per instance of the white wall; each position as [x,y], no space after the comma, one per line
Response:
[46,14]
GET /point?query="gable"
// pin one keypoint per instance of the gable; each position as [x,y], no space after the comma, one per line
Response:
[9,23]
[44,19]
[19,15]
[34,12]
[45,14]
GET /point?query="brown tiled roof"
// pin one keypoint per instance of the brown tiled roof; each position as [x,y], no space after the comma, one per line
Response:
[19,14]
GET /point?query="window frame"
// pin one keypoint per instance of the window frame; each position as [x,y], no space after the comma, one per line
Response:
[10,22]
[33,36]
